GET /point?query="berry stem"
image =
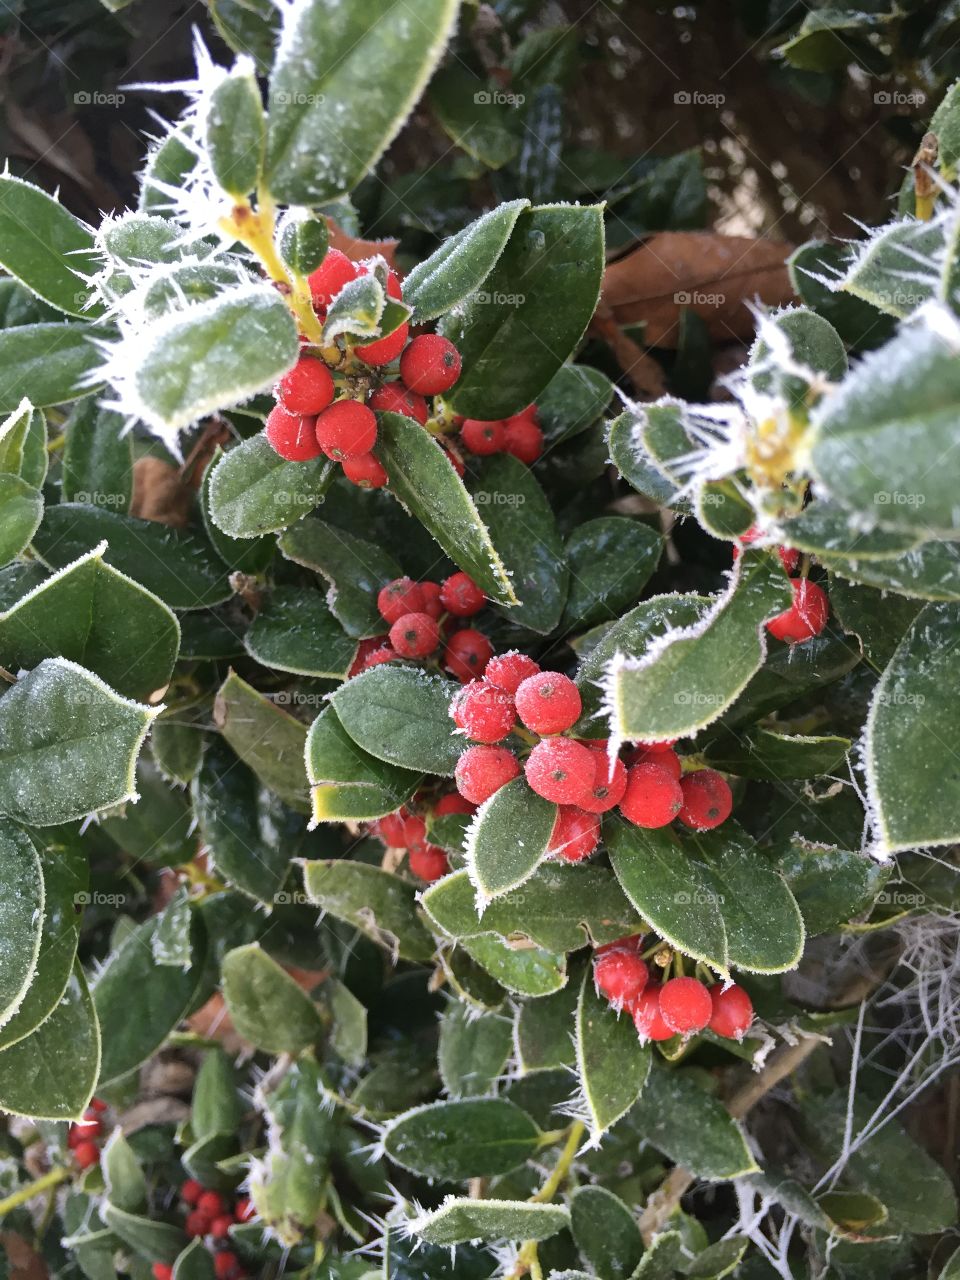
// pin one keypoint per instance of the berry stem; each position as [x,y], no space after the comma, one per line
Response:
[35,1188]
[562,1167]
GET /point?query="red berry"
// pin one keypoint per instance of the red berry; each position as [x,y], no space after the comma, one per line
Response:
[461,596]
[789,558]
[190,1191]
[197,1223]
[482,771]
[86,1154]
[414,829]
[620,975]
[685,1005]
[226,1265]
[366,471]
[243,1210]
[398,597]
[452,803]
[509,670]
[430,365]
[575,835]
[648,1019]
[707,800]
[383,350]
[653,747]
[630,942]
[307,387]
[429,862]
[392,831]
[483,438]
[667,759]
[609,783]
[561,770]
[393,397]
[211,1203]
[732,1011]
[431,599]
[548,702]
[454,459]
[806,617]
[467,654]
[415,635]
[161,1271]
[347,429]
[378,657]
[653,798]
[292,436]
[484,713]
[523,439]
[364,649]
[98,1105]
[220,1227]
[333,273]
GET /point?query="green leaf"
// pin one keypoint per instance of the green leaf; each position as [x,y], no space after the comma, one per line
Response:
[342,85]
[98,618]
[605,1232]
[516,333]
[177,748]
[356,310]
[424,480]
[194,1263]
[348,1029]
[812,343]
[761,753]
[630,457]
[572,401]
[885,271]
[21,510]
[474,117]
[216,1104]
[524,531]
[612,1065]
[828,39]
[831,886]
[45,247]
[235,131]
[51,1074]
[49,363]
[253,491]
[23,444]
[21,917]
[684,1122]
[928,572]
[824,529]
[97,458]
[68,744]
[244,555]
[379,904]
[689,678]
[879,620]
[526,971]
[346,782]
[211,355]
[473,1051]
[266,739]
[152,1240]
[158,828]
[915,704]
[544,1031]
[610,561]
[401,715]
[460,1221]
[508,840]
[125,1183]
[267,1007]
[407,1258]
[203,1160]
[717,1260]
[355,569]
[814,269]
[249,28]
[134,1029]
[461,264]
[295,631]
[178,565]
[453,1141]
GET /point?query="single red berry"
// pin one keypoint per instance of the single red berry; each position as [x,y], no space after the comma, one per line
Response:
[523,439]
[461,596]
[378,657]
[482,771]
[415,635]
[384,350]
[335,271]
[732,1011]
[161,1271]
[454,459]
[98,1105]
[575,834]
[393,397]
[707,800]
[197,1223]
[653,798]
[243,1210]
[609,783]
[190,1191]
[509,670]
[226,1265]
[484,713]
[668,760]
[481,437]
[630,942]
[685,1005]
[414,829]
[307,388]
[432,603]
[452,803]
[86,1154]
[430,365]
[398,597]
[348,429]
[648,1019]
[620,975]
[548,702]
[392,830]
[212,1204]
[429,862]
[366,472]
[806,617]
[364,649]
[561,770]
[789,558]
[220,1227]
[653,747]
[467,654]
[292,436]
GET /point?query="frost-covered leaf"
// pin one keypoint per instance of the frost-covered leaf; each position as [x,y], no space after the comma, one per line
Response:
[473,1051]
[824,529]
[928,572]
[195,1262]
[572,401]
[831,886]
[23,444]
[629,455]
[346,782]
[889,269]
[44,246]
[379,904]
[21,510]
[254,491]
[612,1064]
[401,715]
[686,1123]
[508,840]
[610,560]
[454,1141]
[21,917]
[761,753]
[460,1221]
[50,364]
[265,737]
[295,631]
[265,1004]
[152,1240]
[235,130]
[122,1173]
[525,970]
[605,1232]
[97,458]
[544,1031]
[355,569]
[878,619]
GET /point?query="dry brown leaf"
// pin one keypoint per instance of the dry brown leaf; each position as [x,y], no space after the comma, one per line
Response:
[24,1261]
[714,276]
[357,250]
[159,493]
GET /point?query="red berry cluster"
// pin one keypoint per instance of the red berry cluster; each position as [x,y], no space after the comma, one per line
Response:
[209,1216]
[83,1136]
[420,615]
[808,614]
[520,435]
[406,830]
[678,1006]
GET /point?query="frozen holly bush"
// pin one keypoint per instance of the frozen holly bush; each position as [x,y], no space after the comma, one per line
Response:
[460,816]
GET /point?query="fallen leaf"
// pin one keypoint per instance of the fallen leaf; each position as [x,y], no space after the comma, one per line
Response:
[357,250]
